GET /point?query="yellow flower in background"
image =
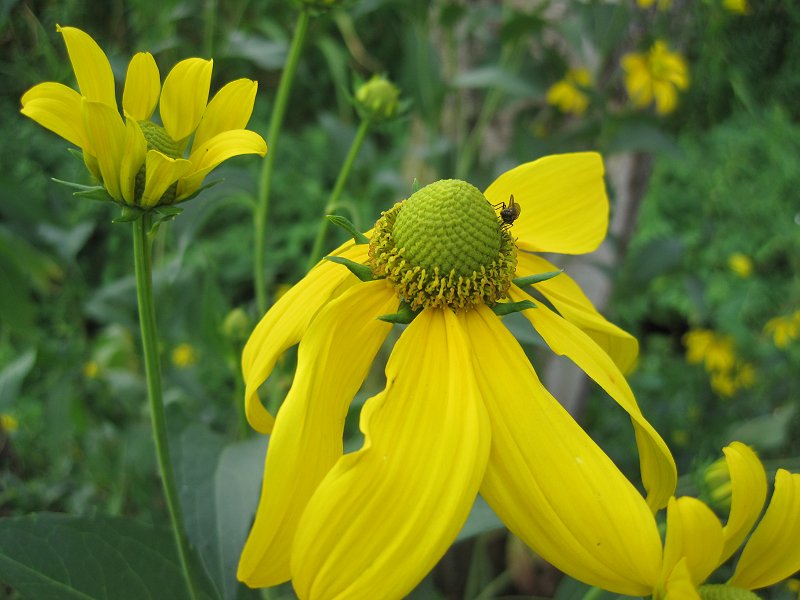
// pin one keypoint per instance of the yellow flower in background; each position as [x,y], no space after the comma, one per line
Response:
[783,329]
[8,423]
[184,355]
[696,543]
[723,384]
[463,411]
[740,264]
[737,6]
[655,76]
[697,342]
[91,369]
[567,95]
[139,162]
[660,4]
[716,351]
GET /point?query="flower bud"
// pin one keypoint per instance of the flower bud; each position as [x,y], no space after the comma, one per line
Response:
[378,98]
[236,325]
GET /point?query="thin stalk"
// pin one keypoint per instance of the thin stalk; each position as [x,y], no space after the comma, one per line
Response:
[338,187]
[265,181]
[152,367]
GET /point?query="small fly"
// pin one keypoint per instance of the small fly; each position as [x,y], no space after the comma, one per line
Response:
[509,212]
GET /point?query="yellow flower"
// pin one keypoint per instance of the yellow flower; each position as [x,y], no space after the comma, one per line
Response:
[740,264]
[697,342]
[703,345]
[463,410]
[723,384]
[8,423]
[567,95]
[696,543]
[91,369]
[184,355]
[737,6]
[137,161]
[660,4]
[783,329]
[656,75]
[745,375]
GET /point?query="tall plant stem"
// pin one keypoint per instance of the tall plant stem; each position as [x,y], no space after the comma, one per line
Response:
[147,323]
[265,181]
[338,187]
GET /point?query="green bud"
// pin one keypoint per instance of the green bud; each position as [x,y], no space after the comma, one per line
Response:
[236,325]
[717,480]
[378,98]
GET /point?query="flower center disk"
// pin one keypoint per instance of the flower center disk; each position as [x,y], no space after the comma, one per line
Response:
[444,246]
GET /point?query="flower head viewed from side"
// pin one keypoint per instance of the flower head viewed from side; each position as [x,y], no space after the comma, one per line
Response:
[139,162]
[463,411]
[656,75]
[568,95]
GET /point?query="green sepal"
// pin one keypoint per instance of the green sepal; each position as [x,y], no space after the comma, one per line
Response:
[202,188]
[538,278]
[506,308]
[129,214]
[76,154]
[403,316]
[163,214]
[363,272]
[344,223]
[415,186]
[93,192]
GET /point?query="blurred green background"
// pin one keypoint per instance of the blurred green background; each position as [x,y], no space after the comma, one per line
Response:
[705,237]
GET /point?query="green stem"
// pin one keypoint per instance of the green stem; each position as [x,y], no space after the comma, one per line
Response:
[265,181]
[147,322]
[338,187]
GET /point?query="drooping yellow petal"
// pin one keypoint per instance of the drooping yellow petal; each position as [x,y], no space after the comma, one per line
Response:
[678,585]
[286,322]
[142,87]
[57,108]
[184,97]
[383,516]
[572,303]
[106,133]
[91,67]
[134,153]
[230,108]
[161,171]
[563,201]
[659,474]
[333,360]
[773,553]
[695,534]
[211,153]
[748,494]
[549,482]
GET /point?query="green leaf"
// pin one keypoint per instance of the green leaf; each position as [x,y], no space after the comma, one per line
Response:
[481,519]
[403,316]
[506,308]
[363,272]
[494,77]
[49,556]
[538,278]
[344,223]
[12,376]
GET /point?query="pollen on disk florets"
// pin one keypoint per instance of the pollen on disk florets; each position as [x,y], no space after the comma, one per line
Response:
[444,246]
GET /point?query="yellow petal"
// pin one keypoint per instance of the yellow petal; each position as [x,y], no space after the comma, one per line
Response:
[695,534]
[161,171]
[572,303]
[286,322]
[333,360]
[91,67]
[57,108]
[748,494]
[383,516]
[133,157]
[142,87]
[659,473]
[184,97]
[679,584]
[106,133]
[211,153]
[563,201]
[230,108]
[549,482]
[773,553]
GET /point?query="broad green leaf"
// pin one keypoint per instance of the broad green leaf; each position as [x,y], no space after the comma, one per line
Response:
[12,376]
[494,77]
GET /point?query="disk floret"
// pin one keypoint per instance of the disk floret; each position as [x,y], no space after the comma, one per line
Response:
[444,247]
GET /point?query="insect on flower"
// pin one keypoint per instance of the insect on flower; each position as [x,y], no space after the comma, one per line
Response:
[509,213]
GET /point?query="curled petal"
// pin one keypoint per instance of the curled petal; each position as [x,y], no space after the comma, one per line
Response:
[659,473]
[286,322]
[161,171]
[572,303]
[106,133]
[563,201]
[184,97]
[333,360]
[91,67]
[549,482]
[142,87]
[230,108]
[748,494]
[694,534]
[383,516]
[57,108]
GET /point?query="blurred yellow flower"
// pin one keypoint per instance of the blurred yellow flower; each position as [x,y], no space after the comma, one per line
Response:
[8,423]
[184,355]
[783,329]
[716,351]
[139,162]
[723,384]
[567,94]
[745,375]
[740,264]
[794,586]
[697,342]
[91,369]
[655,75]
[660,4]
[737,6]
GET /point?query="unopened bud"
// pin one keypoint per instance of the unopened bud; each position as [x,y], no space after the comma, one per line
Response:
[378,98]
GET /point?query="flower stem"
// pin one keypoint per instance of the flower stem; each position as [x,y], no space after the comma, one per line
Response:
[147,322]
[338,187]
[265,180]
